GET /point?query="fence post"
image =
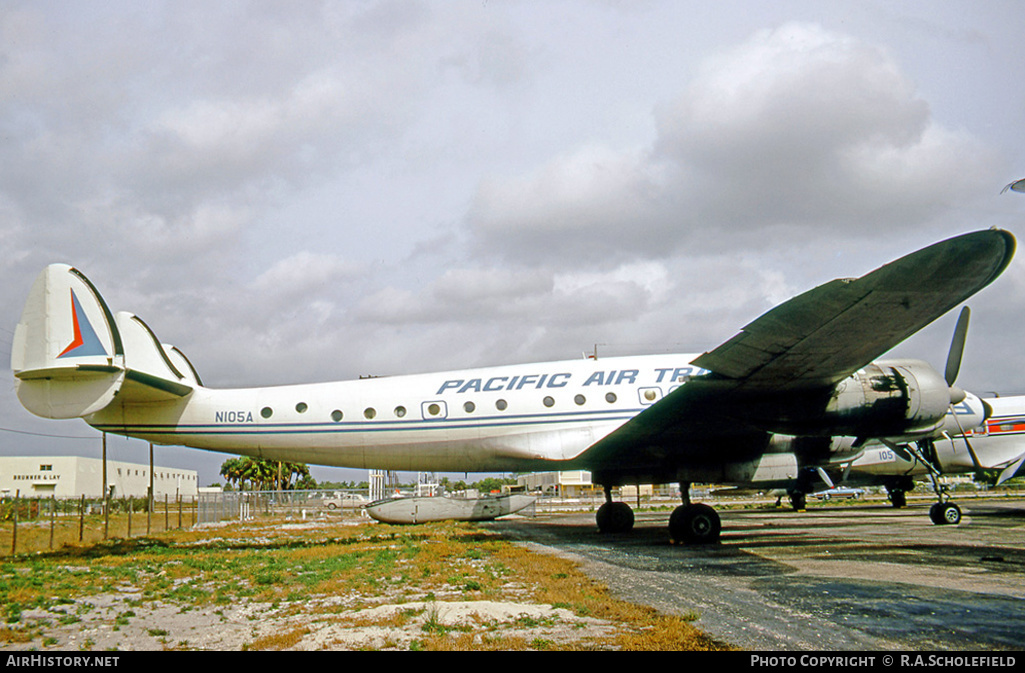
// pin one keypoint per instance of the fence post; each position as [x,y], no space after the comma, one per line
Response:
[81,517]
[53,517]
[106,491]
[14,533]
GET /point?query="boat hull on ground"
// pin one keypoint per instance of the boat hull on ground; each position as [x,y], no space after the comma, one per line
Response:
[421,510]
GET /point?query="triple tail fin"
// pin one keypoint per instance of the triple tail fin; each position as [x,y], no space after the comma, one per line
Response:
[71,356]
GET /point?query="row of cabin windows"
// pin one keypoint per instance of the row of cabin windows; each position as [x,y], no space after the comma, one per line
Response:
[433,409]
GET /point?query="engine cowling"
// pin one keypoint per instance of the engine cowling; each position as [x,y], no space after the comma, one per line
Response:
[897,398]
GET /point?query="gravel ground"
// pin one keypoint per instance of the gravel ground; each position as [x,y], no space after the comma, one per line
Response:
[865,577]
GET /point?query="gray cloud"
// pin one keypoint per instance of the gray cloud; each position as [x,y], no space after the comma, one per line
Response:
[293,193]
[801,129]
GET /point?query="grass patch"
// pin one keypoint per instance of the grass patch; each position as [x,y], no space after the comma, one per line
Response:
[314,578]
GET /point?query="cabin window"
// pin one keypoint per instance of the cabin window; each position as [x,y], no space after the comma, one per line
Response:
[610,397]
[302,407]
[433,410]
[549,401]
[501,405]
[266,412]
[337,415]
[369,413]
[469,407]
[650,395]
[580,400]
[400,411]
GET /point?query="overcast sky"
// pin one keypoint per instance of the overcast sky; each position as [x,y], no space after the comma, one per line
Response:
[305,191]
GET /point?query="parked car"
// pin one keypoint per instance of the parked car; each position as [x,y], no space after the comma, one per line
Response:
[342,500]
[839,492]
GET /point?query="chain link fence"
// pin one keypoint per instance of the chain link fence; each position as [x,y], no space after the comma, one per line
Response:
[245,505]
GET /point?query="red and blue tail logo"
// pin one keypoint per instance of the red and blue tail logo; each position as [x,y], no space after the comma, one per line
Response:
[85,341]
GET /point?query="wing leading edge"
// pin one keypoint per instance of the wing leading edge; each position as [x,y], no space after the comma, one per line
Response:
[822,336]
[806,344]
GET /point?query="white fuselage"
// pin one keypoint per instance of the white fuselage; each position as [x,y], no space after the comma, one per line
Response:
[493,419]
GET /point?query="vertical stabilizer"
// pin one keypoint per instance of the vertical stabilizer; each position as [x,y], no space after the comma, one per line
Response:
[67,354]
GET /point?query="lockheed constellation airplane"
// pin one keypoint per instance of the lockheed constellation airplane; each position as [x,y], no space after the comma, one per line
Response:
[798,383]
[996,446]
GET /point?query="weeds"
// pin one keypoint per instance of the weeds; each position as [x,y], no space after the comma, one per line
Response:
[317,587]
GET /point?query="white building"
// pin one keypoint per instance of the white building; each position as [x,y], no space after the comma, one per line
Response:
[571,484]
[74,476]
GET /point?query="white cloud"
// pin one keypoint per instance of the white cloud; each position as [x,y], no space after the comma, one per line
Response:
[305,272]
[585,207]
[798,129]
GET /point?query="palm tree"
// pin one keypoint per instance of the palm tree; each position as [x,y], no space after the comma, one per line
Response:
[265,475]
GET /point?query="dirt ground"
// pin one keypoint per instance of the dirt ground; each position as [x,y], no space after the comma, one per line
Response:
[117,606]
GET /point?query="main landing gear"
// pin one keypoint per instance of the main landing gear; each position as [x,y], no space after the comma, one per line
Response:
[614,517]
[690,523]
[943,512]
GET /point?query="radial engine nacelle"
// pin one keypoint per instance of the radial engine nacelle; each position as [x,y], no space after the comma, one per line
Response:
[893,398]
[898,399]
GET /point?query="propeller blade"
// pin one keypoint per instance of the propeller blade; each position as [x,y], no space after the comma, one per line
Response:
[957,347]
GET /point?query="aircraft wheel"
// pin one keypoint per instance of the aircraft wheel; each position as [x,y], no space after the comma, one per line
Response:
[615,517]
[945,514]
[694,524]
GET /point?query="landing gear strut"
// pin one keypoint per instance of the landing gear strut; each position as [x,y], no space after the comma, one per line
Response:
[693,523]
[944,512]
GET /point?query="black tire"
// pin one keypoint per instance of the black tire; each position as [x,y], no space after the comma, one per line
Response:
[945,514]
[694,524]
[614,517]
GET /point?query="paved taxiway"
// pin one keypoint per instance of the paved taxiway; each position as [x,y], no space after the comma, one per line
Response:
[862,577]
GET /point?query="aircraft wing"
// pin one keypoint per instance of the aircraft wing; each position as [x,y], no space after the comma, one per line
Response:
[825,334]
[804,345]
